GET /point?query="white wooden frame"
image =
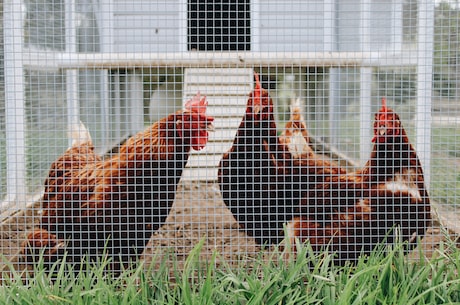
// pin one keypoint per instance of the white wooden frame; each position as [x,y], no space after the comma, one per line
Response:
[17,58]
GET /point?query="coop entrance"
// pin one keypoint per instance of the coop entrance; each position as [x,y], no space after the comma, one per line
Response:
[219,25]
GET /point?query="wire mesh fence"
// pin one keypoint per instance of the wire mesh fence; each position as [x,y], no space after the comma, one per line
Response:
[301,147]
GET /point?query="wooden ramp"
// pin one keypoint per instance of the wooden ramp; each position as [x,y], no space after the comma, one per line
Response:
[227,91]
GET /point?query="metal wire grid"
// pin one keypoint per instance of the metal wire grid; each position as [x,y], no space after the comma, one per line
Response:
[118,66]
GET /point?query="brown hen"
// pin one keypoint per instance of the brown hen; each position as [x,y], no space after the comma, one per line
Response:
[295,134]
[92,206]
[385,200]
[260,178]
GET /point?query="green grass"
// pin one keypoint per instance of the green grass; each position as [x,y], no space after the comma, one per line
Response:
[386,277]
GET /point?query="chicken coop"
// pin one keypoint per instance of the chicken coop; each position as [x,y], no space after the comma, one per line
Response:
[144,127]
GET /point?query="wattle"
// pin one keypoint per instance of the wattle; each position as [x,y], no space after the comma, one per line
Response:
[199,139]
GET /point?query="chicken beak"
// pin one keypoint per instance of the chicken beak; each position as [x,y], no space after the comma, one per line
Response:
[256,109]
[210,127]
[260,109]
[379,133]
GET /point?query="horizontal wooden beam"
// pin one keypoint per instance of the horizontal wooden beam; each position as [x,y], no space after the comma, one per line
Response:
[48,60]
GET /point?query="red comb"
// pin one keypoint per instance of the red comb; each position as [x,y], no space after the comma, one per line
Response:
[258,88]
[197,104]
[384,105]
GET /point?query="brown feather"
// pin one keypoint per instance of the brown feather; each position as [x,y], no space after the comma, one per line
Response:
[116,204]
[261,180]
[351,214]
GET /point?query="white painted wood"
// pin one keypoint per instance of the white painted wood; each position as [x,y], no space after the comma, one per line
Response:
[397,32]
[329,26]
[365,114]
[364,26]
[424,87]
[290,26]
[14,107]
[123,112]
[105,104]
[276,25]
[115,102]
[227,92]
[183,30]
[135,101]
[153,33]
[72,83]
[72,97]
[49,60]
[365,33]
[70,28]
[255,25]
[105,22]
[385,25]
[348,21]
[148,26]
[334,103]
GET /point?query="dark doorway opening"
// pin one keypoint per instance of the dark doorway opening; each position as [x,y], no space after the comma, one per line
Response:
[219,25]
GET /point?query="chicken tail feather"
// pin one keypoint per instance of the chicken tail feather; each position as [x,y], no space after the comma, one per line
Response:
[79,134]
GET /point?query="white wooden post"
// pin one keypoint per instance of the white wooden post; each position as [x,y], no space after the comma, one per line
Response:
[135,102]
[72,96]
[397,31]
[72,88]
[183,39]
[116,104]
[14,105]
[329,25]
[330,45]
[334,105]
[365,98]
[424,84]
[105,110]
[105,23]
[255,25]
[365,114]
